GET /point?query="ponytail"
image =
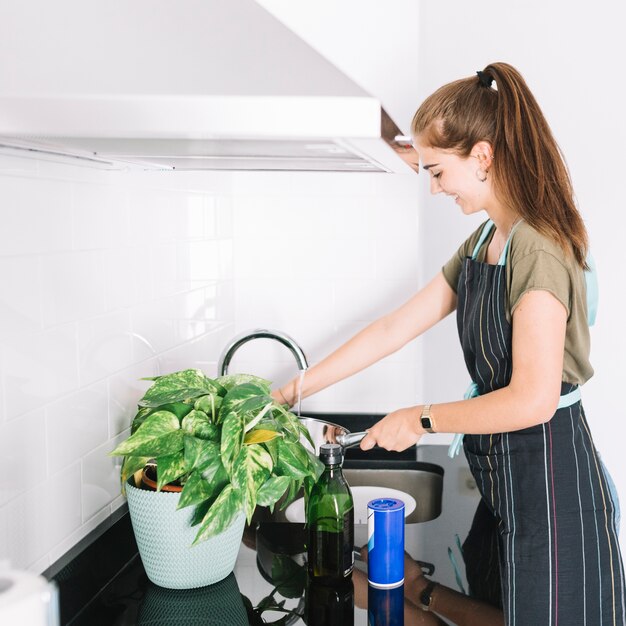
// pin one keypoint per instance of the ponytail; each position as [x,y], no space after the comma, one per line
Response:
[529,171]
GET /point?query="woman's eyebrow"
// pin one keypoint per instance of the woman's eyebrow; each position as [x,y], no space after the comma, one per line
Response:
[427,167]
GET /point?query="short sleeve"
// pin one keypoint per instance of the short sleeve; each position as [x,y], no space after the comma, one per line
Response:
[452,269]
[540,270]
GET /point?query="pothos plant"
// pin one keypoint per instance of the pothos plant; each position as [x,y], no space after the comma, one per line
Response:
[225,441]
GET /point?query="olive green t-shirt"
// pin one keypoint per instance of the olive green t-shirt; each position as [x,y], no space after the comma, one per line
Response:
[536,262]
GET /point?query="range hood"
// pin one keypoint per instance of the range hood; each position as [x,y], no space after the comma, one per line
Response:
[184,85]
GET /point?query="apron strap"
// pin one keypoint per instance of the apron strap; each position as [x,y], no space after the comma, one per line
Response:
[481,240]
[591,280]
[502,259]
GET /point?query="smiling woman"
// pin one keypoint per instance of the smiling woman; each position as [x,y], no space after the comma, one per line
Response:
[548,513]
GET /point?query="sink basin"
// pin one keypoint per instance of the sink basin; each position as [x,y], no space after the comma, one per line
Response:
[422,481]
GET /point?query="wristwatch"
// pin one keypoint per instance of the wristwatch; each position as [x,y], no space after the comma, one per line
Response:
[426,597]
[427,422]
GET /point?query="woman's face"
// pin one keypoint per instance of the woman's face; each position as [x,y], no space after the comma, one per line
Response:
[458,177]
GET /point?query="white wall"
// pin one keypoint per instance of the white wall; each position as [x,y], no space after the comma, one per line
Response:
[572,56]
[105,277]
[319,256]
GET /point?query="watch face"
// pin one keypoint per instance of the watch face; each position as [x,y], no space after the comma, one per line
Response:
[426,422]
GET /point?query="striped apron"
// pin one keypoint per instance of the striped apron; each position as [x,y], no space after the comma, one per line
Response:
[543,544]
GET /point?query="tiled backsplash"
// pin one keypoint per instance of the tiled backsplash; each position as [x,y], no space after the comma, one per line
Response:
[107,277]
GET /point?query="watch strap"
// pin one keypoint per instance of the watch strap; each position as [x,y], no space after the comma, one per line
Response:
[426,597]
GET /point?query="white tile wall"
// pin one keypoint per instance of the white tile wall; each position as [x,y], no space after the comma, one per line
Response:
[105,278]
[319,257]
[108,277]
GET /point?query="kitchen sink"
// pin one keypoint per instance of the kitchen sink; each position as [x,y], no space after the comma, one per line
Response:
[423,482]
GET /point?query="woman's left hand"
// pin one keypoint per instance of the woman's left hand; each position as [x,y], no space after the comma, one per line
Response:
[397,431]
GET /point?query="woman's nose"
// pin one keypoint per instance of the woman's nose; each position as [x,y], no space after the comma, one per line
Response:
[435,187]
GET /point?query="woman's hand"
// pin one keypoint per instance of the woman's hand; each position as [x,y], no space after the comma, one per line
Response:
[397,431]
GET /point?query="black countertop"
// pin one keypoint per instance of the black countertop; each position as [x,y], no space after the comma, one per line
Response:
[102,581]
[270,572]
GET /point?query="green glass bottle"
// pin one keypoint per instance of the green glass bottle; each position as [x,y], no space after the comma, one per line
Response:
[330,520]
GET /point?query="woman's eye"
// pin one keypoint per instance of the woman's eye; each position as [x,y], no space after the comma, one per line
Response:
[437,175]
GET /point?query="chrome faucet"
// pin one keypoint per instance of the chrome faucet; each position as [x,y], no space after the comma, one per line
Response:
[260,333]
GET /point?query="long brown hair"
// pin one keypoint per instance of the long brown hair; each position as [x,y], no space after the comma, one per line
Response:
[528,169]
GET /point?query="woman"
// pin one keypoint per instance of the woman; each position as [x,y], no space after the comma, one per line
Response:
[518,286]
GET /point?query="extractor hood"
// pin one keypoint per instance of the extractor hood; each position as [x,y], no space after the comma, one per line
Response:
[184,85]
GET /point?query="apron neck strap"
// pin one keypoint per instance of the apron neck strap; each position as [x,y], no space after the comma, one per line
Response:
[486,230]
[502,259]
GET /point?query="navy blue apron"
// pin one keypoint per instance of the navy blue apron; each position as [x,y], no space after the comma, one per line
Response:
[544,535]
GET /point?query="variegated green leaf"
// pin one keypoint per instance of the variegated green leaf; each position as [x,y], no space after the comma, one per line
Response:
[252,418]
[259,435]
[292,459]
[261,457]
[294,488]
[170,468]
[179,386]
[272,490]
[209,404]
[160,434]
[304,432]
[221,514]
[140,418]
[232,440]
[215,472]
[198,424]
[236,397]
[131,465]
[196,490]
[250,472]
[288,422]
[233,380]
[315,466]
[200,453]
[180,409]
[272,447]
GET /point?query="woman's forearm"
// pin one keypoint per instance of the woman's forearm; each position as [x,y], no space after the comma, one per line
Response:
[460,609]
[368,346]
[377,340]
[504,410]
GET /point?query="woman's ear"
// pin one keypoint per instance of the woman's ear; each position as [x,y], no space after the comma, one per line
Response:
[483,151]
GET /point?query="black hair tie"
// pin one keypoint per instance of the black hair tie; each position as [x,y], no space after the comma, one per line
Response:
[484,79]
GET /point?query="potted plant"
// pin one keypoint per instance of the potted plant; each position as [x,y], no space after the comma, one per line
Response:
[227,447]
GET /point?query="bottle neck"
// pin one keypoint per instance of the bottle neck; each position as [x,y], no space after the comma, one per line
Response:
[331,469]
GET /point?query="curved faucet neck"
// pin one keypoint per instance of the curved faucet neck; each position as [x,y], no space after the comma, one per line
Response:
[259,333]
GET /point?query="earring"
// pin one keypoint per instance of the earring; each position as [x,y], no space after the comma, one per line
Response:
[481,175]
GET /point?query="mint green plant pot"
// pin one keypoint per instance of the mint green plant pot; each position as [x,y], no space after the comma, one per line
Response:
[164,537]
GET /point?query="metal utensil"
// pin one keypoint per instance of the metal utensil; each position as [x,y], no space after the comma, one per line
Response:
[326,432]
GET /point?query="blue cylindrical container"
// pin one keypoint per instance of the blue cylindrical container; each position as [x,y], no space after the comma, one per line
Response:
[385,542]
